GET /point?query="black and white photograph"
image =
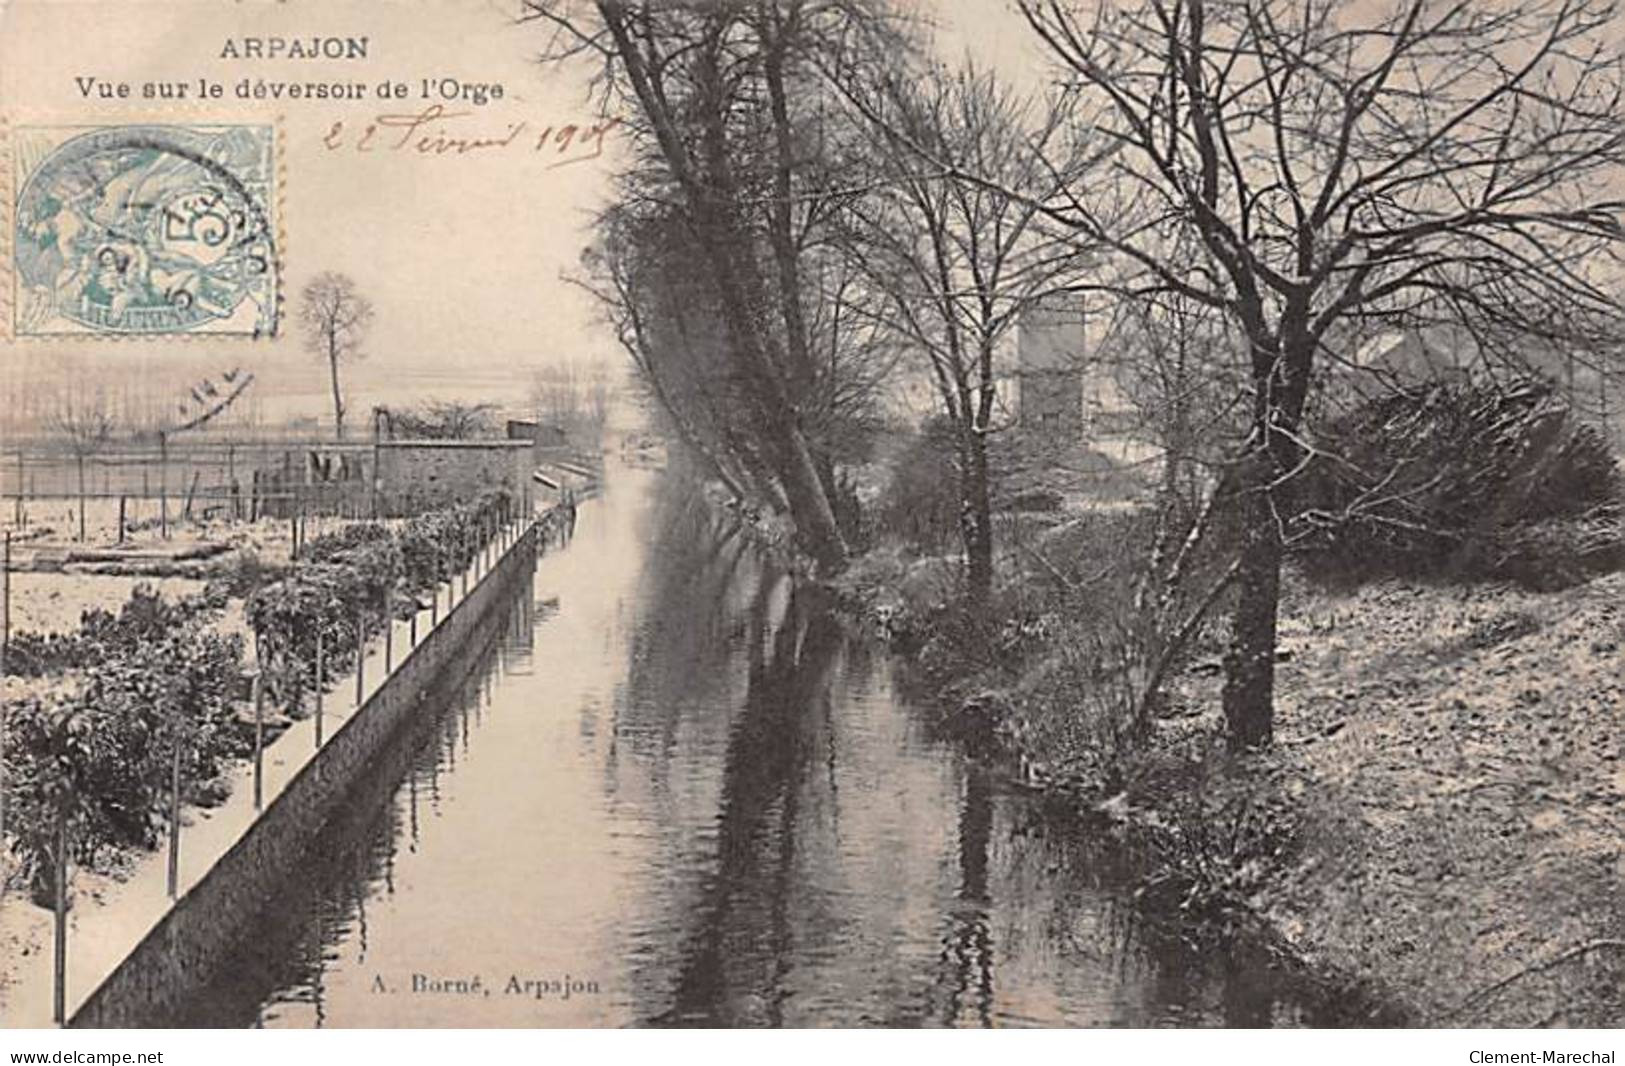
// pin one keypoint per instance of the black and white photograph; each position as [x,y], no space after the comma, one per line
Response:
[820,514]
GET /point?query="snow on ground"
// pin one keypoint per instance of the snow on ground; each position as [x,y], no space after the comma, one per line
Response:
[52,602]
[1458,755]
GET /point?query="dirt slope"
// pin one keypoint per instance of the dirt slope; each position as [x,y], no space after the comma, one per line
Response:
[1457,756]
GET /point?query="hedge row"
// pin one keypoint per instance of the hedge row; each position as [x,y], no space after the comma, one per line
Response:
[145,618]
[1465,481]
[99,753]
[155,680]
[359,575]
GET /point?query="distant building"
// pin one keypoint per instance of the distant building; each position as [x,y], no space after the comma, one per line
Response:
[1408,357]
[1051,343]
[543,434]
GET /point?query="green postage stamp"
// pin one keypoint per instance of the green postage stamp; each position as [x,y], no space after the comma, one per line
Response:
[144,230]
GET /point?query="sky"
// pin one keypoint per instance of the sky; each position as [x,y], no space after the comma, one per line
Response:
[463,254]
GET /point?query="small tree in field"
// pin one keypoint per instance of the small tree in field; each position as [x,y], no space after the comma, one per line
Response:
[333,321]
[1335,168]
[87,423]
[445,420]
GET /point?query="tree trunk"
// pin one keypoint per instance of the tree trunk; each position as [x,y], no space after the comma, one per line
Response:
[780,220]
[690,435]
[59,997]
[1249,685]
[1281,380]
[81,461]
[725,244]
[976,518]
[174,872]
[338,397]
[816,527]
[713,201]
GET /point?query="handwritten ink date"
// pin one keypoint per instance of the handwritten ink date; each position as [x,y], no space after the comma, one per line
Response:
[436,131]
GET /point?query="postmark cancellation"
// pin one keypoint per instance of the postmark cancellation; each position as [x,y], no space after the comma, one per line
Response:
[136,230]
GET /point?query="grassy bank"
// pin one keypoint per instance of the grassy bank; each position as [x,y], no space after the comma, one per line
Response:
[1440,824]
[1455,754]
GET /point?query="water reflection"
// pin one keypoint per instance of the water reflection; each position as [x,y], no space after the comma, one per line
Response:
[673,791]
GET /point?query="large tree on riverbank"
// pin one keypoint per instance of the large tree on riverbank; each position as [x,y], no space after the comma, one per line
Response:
[1338,168]
[667,321]
[717,96]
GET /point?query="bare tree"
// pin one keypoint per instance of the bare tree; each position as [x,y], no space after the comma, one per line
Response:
[333,318]
[667,321]
[958,261]
[572,397]
[1409,163]
[443,420]
[1173,359]
[86,422]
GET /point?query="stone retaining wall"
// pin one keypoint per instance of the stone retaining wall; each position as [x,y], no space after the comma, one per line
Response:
[205,927]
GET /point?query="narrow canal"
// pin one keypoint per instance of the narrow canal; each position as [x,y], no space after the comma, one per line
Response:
[673,791]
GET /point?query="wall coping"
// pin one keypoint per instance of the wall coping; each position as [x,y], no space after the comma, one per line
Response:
[428,442]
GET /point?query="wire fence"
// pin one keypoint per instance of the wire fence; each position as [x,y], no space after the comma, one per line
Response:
[237,480]
[111,494]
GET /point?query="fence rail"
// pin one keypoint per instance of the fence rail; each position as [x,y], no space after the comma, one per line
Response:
[235,480]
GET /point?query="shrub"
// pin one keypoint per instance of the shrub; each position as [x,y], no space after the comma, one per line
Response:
[287,616]
[41,654]
[437,545]
[343,540]
[101,757]
[1557,552]
[145,618]
[922,506]
[155,680]
[242,572]
[1472,481]
[1035,500]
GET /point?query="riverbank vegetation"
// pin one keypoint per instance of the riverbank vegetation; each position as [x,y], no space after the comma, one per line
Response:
[1095,397]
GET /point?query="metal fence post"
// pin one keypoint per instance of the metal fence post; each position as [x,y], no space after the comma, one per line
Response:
[163,485]
[259,740]
[174,814]
[59,991]
[320,678]
[81,464]
[360,653]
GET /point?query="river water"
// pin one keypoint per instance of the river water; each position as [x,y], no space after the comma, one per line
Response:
[674,791]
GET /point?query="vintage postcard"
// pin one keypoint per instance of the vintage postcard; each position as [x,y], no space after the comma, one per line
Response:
[535,514]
